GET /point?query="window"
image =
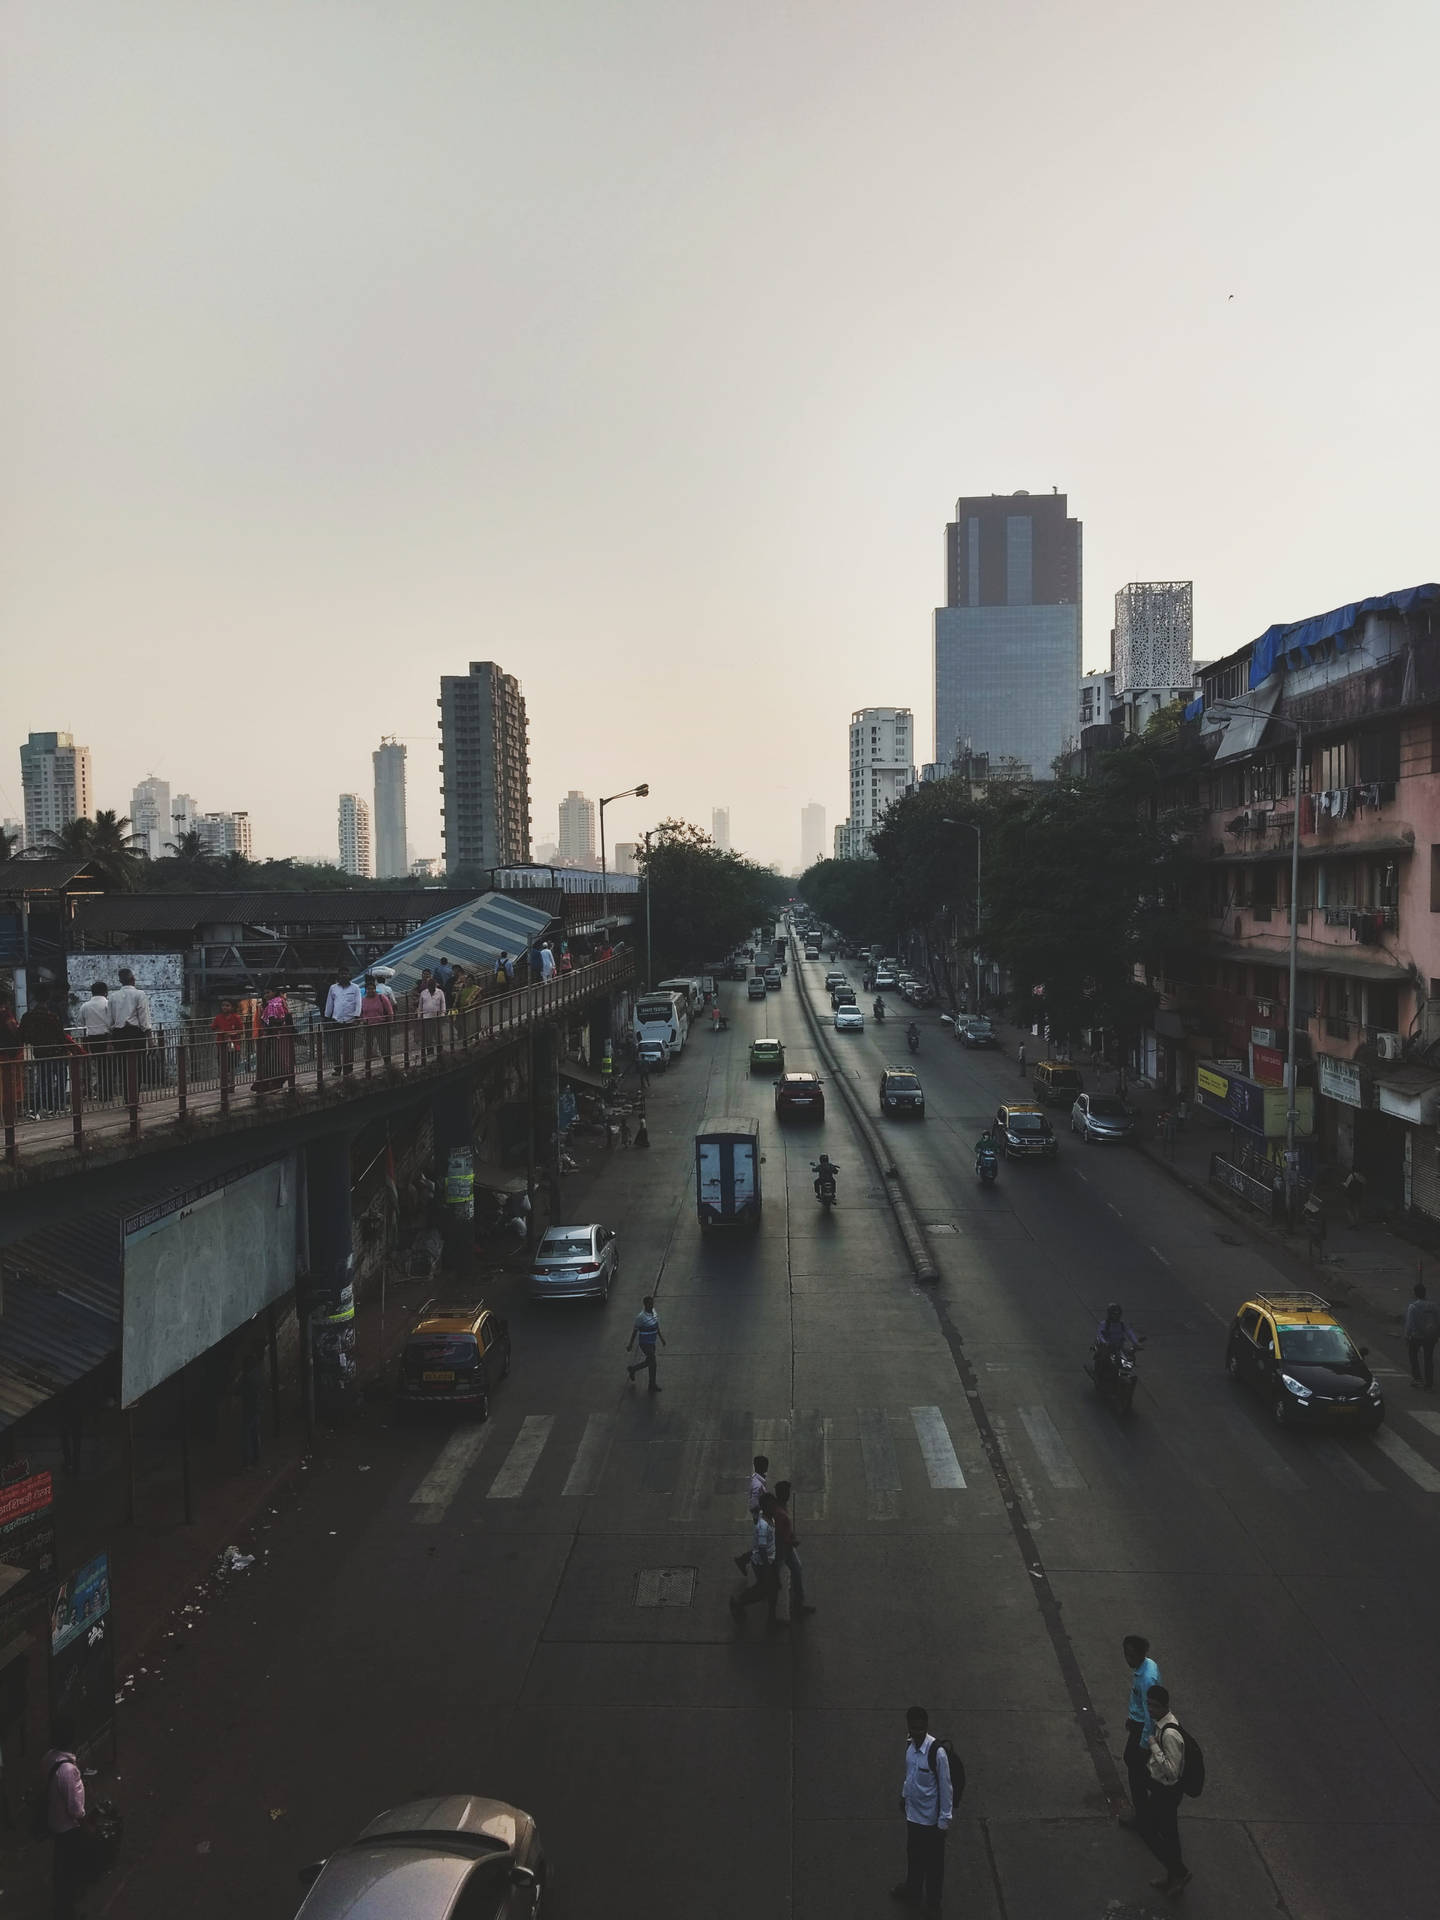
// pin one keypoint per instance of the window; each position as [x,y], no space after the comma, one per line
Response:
[1378,755]
[1382,1007]
[1435,879]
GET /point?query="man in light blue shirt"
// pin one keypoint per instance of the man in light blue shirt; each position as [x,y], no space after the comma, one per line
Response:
[1139,1723]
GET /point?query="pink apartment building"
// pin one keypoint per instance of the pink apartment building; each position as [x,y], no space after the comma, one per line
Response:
[1362,685]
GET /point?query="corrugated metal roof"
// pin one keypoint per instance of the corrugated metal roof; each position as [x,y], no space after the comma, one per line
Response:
[473,936]
[24,875]
[346,906]
[61,1309]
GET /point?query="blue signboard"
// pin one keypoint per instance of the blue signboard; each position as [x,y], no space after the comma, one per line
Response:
[1232,1097]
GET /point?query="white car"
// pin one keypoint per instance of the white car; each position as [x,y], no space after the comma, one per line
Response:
[885,981]
[849,1020]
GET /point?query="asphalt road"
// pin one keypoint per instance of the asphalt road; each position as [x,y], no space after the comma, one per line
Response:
[978,1534]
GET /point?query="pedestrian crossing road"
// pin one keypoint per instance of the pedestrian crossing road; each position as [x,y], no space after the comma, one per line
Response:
[867,1465]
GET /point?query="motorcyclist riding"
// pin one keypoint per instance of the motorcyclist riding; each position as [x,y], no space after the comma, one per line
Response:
[984,1146]
[825,1172]
[1113,1336]
[879,1007]
[912,1034]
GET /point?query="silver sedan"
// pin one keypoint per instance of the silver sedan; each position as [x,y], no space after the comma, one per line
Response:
[1102,1116]
[432,1860]
[576,1263]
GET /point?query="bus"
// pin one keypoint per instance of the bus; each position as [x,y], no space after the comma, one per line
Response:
[662,1016]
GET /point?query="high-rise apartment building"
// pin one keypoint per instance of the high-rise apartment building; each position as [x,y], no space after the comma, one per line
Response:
[720,828]
[355,837]
[55,780]
[624,860]
[485,770]
[150,817]
[1007,643]
[14,832]
[184,814]
[577,831]
[1152,645]
[222,833]
[391,850]
[812,835]
[882,767]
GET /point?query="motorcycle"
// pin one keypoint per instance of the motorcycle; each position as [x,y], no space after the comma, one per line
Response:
[1115,1378]
[879,1010]
[824,1182]
[987,1166]
[912,1039]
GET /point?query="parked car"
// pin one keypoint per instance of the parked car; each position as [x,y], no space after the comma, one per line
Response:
[767,1056]
[653,1055]
[1102,1116]
[975,1030]
[799,1096]
[576,1263]
[901,1092]
[849,1019]
[1293,1351]
[1024,1133]
[1055,1083]
[434,1859]
[452,1357]
[757,989]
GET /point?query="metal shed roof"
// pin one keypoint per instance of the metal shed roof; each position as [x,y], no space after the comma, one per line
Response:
[61,1310]
[471,936]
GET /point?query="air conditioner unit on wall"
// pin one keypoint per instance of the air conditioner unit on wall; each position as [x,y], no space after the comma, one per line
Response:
[1389,1046]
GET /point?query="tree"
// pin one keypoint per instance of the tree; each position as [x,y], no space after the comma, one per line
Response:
[702,901]
[106,841]
[853,896]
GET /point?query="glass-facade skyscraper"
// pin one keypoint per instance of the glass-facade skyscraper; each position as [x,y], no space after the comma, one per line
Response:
[1007,643]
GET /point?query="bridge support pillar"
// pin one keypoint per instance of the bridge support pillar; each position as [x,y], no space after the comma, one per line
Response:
[455,1173]
[328,1304]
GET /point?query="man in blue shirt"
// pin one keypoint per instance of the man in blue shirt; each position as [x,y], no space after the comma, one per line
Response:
[1139,1723]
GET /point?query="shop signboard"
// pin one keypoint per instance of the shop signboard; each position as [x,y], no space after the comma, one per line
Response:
[1248,1104]
[1340,1080]
[27,1529]
[1269,1066]
[82,1653]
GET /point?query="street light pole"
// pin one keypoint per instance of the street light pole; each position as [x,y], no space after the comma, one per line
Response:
[649,963]
[641,791]
[1292,1111]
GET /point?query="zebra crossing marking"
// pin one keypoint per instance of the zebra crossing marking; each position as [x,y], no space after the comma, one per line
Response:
[590,1456]
[1277,1474]
[1405,1457]
[696,1473]
[1431,1421]
[937,1448]
[1344,1465]
[518,1465]
[442,1482]
[1060,1470]
[882,1469]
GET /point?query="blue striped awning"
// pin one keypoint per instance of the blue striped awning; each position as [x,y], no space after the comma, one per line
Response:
[472,936]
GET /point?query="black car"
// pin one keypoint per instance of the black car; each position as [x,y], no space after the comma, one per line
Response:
[901,1093]
[1293,1351]
[842,997]
[1023,1132]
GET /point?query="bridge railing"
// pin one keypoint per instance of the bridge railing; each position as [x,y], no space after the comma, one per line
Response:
[63,1095]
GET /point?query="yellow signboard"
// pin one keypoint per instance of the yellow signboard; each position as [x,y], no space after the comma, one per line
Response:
[1215,1083]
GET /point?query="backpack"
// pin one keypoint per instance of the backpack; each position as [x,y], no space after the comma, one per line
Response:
[957,1768]
[1192,1768]
[40,1800]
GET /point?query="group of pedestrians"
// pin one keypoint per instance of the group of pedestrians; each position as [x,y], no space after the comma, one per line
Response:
[772,1550]
[108,1025]
[1162,1764]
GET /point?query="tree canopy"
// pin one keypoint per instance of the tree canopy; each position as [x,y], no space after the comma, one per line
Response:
[703,900]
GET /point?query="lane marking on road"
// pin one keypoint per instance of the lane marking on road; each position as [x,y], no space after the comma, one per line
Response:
[591,1455]
[882,1469]
[1215,1313]
[1161,1258]
[442,1482]
[520,1462]
[1060,1469]
[812,1433]
[696,1473]
[1404,1456]
[1114,1209]
[1345,1466]
[772,1438]
[1430,1421]
[937,1447]
[1259,1450]
[1081,1176]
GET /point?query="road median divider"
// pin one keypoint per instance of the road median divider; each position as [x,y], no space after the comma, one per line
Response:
[917,1248]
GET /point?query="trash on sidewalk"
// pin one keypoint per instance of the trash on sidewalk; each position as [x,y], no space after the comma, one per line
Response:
[234,1561]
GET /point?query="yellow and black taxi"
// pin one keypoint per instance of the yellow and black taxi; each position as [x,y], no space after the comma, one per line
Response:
[1022,1132]
[1055,1083]
[1293,1351]
[767,1056]
[453,1356]
[901,1093]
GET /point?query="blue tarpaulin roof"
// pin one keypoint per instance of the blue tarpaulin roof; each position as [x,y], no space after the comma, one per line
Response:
[1289,646]
[472,936]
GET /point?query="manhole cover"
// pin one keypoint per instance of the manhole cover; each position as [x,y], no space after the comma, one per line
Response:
[1229,1240]
[665,1586]
[941,1226]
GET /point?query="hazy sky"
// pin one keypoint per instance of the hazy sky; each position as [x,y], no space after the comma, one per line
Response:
[644,347]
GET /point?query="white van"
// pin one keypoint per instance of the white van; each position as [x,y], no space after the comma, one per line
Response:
[688,990]
[660,1015]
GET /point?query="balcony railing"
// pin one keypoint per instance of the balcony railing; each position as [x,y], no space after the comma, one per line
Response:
[79,1096]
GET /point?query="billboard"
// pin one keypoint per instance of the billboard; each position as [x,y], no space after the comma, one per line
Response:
[199,1264]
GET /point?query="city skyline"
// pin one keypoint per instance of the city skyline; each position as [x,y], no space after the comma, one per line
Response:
[222,485]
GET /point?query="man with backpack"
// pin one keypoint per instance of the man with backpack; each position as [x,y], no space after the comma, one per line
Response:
[927,1801]
[1175,1770]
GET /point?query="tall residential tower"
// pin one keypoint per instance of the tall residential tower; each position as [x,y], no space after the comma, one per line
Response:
[150,817]
[485,770]
[882,767]
[355,836]
[55,780]
[391,858]
[577,831]
[812,835]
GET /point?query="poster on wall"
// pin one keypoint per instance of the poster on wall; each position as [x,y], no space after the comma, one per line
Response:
[160,975]
[82,1654]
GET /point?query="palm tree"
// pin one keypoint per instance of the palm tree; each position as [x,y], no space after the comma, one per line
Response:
[106,841]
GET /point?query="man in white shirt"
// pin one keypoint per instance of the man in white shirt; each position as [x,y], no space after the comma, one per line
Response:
[927,1800]
[97,1031]
[1162,1813]
[129,1016]
[342,1011]
[547,963]
[65,1818]
[765,1568]
[759,1486]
